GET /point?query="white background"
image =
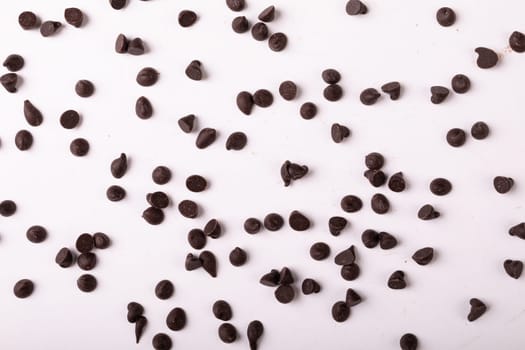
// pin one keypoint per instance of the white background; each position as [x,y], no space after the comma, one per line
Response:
[395,41]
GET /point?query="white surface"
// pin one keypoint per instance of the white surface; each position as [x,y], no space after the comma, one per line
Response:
[395,41]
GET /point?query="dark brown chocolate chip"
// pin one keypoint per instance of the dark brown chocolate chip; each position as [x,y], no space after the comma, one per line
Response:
[517,42]
[292,171]
[387,241]
[49,28]
[197,238]
[260,31]
[84,88]
[118,4]
[161,175]
[194,70]
[101,240]
[438,94]
[28,20]
[7,208]
[136,47]
[427,212]
[270,279]
[158,199]
[351,204]
[196,183]
[115,193]
[238,257]
[85,243]
[263,98]
[336,224]
[153,216]
[310,286]
[254,332]
[209,263]
[236,141]
[356,7]
[288,90]
[9,81]
[397,183]
[477,309]
[352,298]
[393,89]
[69,119]
[23,140]
[331,76]
[339,132]
[456,137]
[273,222]
[121,44]
[298,221]
[408,342]
[32,114]
[192,262]
[376,178]
[513,268]
[268,14]
[164,289]
[340,311]
[350,272]
[206,137]
[188,209]
[147,76]
[222,310]
[252,226]
[277,42]
[119,166]
[64,258]
[487,58]
[423,256]
[23,288]
[369,96]
[460,83]
[333,92]
[240,24]
[213,229]
[87,261]
[74,16]
[187,18]
[161,341]
[480,130]
[187,123]
[319,251]
[440,186]
[143,108]
[14,63]
[245,102]
[446,16]
[286,276]
[36,234]
[380,203]
[227,333]
[308,110]
[140,324]
[345,257]
[135,310]
[370,238]
[397,280]
[87,283]
[235,5]
[284,294]
[374,161]
[503,184]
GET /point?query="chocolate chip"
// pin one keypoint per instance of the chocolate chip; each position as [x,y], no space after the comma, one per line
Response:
[140,324]
[28,20]
[370,238]
[153,216]
[479,130]
[263,98]
[331,76]
[254,332]
[115,193]
[513,268]
[339,132]
[333,92]
[273,222]
[192,262]
[503,184]
[345,257]
[252,225]
[369,96]
[427,212]
[143,108]
[440,186]
[135,310]
[161,175]
[196,238]
[460,83]
[456,137]
[356,7]
[397,183]
[374,161]
[423,256]
[408,342]
[446,16]
[340,311]
[119,166]
[376,178]
[176,319]
[517,42]
[310,286]
[240,24]
[87,283]
[298,221]
[393,89]
[386,240]
[213,229]
[206,137]
[69,119]
[438,94]
[245,102]
[270,279]
[286,277]
[101,240]
[188,209]
[288,90]
[350,272]
[196,183]
[352,298]
[222,310]
[64,258]
[9,81]
[194,70]
[292,171]
[118,4]
[36,234]
[164,289]
[74,16]
[284,294]
[23,140]
[161,341]
[147,76]
[397,280]
[121,44]
[238,257]
[268,14]
[308,110]
[23,288]
[487,58]
[336,224]
[187,18]
[87,261]
[236,141]
[14,63]
[158,199]
[518,230]
[277,42]
[49,28]
[351,203]
[235,5]
[7,208]
[84,88]
[380,203]
[260,31]
[227,333]
[187,123]
[32,114]
[209,263]
[319,251]
[136,47]
[84,243]
[477,309]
